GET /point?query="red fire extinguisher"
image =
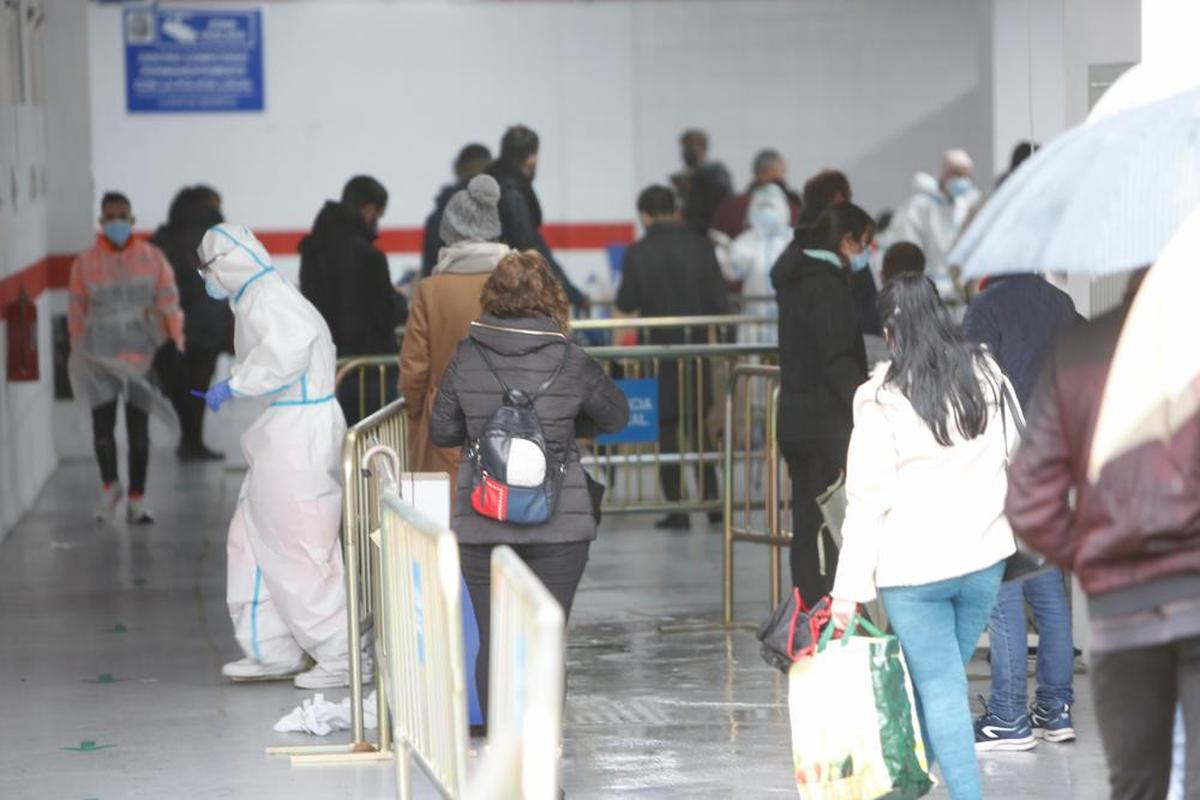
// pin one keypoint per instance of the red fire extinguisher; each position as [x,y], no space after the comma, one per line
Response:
[21,316]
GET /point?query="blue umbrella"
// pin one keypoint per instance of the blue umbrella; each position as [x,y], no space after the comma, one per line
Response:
[1103,197]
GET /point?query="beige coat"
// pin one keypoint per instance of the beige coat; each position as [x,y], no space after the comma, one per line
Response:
[445,305]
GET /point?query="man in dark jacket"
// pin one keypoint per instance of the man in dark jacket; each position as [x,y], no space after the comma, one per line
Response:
[207,323]
[702,184]
[822,362]
[472,160]
[346,277]
[520,211]
[672,272]
[1133,540]
[1019,318]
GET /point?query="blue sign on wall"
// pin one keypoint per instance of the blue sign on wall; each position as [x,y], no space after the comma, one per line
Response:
[186,60]
[642,394]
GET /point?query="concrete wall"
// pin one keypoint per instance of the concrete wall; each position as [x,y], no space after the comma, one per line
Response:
[877,87]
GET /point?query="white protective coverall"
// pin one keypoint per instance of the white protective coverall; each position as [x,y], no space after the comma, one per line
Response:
[753,254]
[932,221]
[286,592]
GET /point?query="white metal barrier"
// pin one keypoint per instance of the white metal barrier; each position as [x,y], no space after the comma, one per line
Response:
[525,701]
[420,653]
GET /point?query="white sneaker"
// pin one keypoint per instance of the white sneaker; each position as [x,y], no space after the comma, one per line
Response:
[110,497]
[249,669]
[320,678]
[136,512]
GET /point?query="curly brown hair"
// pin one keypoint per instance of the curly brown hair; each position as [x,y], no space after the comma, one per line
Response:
[522,285]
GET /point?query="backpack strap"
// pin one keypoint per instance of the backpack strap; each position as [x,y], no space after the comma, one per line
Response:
[546,384]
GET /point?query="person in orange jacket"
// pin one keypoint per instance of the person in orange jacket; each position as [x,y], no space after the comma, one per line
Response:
[123,306]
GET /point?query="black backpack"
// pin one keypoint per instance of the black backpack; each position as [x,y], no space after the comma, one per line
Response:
[514,479]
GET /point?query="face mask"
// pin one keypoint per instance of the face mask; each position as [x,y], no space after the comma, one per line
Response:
[860,261]
[767,218]
[690,158]
[957,187]
[117,231]
[214,289]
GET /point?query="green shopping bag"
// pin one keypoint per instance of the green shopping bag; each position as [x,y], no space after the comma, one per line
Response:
[855,732]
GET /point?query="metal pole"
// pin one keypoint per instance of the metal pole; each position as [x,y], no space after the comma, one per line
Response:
[727,551]
[770,451]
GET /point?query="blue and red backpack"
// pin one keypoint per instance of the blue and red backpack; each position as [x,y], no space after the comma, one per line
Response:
[514,479]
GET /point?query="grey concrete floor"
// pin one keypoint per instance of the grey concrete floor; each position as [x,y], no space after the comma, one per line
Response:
[115,636]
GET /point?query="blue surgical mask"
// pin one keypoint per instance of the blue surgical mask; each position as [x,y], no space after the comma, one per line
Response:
[957,187]
[767,218]
[214,289]
[118,231]
[861,260]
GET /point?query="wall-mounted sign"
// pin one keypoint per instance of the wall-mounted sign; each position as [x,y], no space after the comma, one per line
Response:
[184,60]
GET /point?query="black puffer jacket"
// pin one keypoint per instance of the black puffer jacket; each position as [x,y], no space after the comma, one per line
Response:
[581,402]
[822,358]
[346,277]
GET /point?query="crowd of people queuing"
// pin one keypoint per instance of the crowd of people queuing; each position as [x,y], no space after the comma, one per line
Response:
[928,437]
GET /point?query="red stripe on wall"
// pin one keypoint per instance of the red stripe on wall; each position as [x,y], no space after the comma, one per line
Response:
[54,271]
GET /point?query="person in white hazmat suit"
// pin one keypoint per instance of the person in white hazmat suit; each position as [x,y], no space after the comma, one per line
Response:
[286,593]
[934,215]
[753,254]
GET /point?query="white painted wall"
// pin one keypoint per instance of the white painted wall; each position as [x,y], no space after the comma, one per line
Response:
[27,454]
[877,87]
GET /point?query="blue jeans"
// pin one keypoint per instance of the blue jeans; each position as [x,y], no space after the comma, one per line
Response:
[939,625]
[1010,650]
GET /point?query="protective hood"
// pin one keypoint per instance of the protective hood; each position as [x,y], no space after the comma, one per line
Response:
[924,183]
[234,256]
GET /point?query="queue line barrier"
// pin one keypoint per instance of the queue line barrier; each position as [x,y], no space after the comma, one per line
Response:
[362,489]
[420,652]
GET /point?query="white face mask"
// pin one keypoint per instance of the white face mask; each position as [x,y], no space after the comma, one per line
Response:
[213,287]
[768,218]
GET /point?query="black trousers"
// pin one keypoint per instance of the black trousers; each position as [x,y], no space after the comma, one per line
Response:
[813,465]
[1136,695]
[558,566]
[104,426]
[671,475]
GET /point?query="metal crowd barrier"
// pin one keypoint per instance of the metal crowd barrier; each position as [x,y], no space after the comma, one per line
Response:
[421,659]
[525,705]
[765,497]
[361,493]
[373,379]
[634,470]
[712,329]
[603,309]
[690,425]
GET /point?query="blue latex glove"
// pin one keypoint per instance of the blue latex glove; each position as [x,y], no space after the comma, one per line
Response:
[216,396]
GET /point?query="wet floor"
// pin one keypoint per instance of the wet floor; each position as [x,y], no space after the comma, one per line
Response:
[113,640]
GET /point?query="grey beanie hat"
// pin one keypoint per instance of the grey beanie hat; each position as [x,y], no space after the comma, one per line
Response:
[473,213]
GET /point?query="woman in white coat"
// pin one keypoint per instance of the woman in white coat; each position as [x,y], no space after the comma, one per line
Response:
[925,483]
[286,592]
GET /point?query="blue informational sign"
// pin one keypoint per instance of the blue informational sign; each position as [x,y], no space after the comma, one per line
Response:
[180,59]
[642,394]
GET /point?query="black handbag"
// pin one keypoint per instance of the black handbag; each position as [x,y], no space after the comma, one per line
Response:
[1024,563]
[792,630]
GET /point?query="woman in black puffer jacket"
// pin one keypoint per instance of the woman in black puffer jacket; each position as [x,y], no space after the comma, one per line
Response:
[524,331]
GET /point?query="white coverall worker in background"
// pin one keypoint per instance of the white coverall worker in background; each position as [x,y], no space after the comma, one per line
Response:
[286,592]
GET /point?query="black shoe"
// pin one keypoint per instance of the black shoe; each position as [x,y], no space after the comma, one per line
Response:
[716,517]
[198,453]
[674,522]
[478,731]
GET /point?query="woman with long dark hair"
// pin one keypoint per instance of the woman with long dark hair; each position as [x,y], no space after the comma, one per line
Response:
[822,362]
[926,481]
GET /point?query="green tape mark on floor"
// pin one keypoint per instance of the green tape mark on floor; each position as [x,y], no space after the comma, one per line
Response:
[104,677]
[118,628]
[87,746]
